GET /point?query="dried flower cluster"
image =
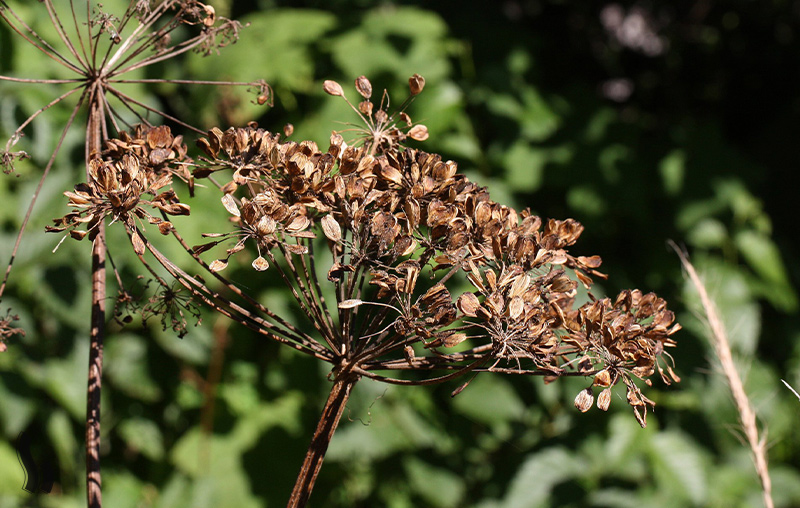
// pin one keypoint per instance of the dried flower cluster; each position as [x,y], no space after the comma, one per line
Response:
[426,270]
[135,166]
[7,330]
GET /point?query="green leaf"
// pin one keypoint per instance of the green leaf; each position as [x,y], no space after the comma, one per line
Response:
[534,482]
[12,476]
[490,399]
[143,436]
[673,171]
[127,369]
[398,41]
[437,486]
[679,466]
[763,256]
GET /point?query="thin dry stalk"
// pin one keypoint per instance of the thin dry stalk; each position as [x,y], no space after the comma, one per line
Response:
[722,349]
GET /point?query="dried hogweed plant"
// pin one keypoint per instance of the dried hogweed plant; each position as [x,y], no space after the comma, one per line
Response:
[398,262]
[102,53]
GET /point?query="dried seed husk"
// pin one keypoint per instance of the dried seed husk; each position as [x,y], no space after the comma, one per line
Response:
[218,265]
[260,264]
[604,399]
[333,88]
[349,304]
[331,228]
[602,378]
[418,133]
[364,87]
[229,202]
[453,339]
[468,304]
[138,243]
[408,352]
[164,227]
[416,83]
[584,400]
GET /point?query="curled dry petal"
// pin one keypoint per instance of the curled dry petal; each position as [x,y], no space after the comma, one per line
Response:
[584,400]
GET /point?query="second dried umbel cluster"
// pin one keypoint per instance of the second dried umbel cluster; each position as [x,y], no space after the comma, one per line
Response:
[399,263]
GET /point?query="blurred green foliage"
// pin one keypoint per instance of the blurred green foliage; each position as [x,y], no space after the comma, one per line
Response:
[694,144]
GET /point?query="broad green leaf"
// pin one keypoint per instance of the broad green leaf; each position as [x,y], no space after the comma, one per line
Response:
[707,233]
[143,436]
[679,464]
[12,476]
[490,399]
[534,482]
[126,367]
[437,486]
[399,41]
[763,256]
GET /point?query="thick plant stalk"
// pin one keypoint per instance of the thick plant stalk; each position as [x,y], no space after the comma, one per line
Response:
[746,413]
[97,333]
[328,421]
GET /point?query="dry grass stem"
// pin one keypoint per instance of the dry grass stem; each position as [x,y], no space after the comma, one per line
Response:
[722,348]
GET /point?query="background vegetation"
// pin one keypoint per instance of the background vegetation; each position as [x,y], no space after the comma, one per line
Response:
[646,122]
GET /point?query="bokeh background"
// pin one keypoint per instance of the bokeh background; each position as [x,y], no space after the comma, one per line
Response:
[646,121]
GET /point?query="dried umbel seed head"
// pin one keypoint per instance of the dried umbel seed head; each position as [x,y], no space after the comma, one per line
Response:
[384,130]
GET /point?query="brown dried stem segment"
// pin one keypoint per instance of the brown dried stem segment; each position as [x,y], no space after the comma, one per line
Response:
[97,333]
[722,348]
[328,421]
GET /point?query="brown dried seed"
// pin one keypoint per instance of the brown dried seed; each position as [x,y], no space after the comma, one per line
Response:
[218,265]
[365,107]
[602,378]
[331,228]
[453,339]
[349,304]
[229,202]
[604,399]
[260,264]
[416,83]
[584,400]
[288,130]
[418,133]
[364,87]
[468,304]
[333,88]
[408,352]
